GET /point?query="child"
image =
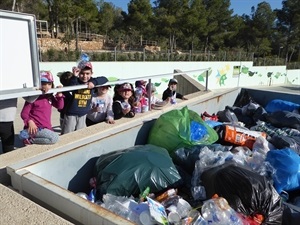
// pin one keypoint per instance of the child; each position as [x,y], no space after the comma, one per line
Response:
[124,102]
[170,93]
[155,102]
[37,115]
[101,109]
[141,84]
[64,79]
[140,95]
[79,104]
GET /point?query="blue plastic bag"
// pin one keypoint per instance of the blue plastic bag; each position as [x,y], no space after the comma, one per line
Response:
[287,165]
[198,131]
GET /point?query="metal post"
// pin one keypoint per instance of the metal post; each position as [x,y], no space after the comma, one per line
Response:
[115,53]
[149,92]
[206,82]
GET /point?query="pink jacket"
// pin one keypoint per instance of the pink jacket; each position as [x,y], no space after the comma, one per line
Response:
[40,110]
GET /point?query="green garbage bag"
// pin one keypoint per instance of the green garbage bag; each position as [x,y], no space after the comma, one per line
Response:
[130,171]
[173,130]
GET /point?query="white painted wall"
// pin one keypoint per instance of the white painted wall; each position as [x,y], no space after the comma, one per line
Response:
[221,74]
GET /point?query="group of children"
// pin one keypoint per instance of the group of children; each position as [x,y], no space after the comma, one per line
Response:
[89,106]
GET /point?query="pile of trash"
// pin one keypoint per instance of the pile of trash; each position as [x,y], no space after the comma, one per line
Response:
[239,166]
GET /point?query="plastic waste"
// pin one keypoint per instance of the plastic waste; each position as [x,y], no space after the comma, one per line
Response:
[198,131]
[145,193]
[198,192]
[91,196]
[167,194]
[195,218]
[82,195]
[218,211]
[183,208]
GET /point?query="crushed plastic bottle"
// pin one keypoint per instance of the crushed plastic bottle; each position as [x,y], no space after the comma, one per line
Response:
[198,192]
[216,211]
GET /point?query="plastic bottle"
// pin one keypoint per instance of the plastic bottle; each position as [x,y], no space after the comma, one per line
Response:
[217,211]
[144,194]
[91,196]
[200,221]
[198,192]
[167,194]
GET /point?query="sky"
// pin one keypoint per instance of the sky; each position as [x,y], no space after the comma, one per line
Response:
[239,7]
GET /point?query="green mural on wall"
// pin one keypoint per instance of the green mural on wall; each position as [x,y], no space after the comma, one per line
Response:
[222,75]
[201,77]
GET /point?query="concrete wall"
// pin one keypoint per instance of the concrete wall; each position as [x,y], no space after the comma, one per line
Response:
[220,74]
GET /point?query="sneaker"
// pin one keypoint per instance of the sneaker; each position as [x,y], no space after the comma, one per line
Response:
[27,142]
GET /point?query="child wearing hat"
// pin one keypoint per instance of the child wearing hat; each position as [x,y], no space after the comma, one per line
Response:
[140,95]
[101,107]
[155,102]
[37,114]
[79,104]
[170,93]
[123,102]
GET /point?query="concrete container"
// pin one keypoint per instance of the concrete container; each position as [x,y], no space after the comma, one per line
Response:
[52,178]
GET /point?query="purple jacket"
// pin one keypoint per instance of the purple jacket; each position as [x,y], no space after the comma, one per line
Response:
[40,110]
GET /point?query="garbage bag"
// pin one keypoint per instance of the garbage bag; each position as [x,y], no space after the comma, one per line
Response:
[291,215]
[227,115]
[246,191]
[130,171]
[186,157]
[287,165]
[175,129]
[284,119]
[281,105]
[281,142]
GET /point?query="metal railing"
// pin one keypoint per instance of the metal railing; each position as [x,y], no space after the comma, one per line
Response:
[25,92]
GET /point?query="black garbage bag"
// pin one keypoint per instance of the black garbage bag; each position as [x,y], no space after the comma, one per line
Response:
[243,98]
[245,190]
[284,119]
[186,157]
[291,214]
[227,115]
[131,171]
[247,120]
[281,142]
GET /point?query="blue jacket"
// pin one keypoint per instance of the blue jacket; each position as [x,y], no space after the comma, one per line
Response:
[80,100]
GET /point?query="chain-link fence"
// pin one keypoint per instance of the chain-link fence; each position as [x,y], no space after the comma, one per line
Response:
[167,55]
